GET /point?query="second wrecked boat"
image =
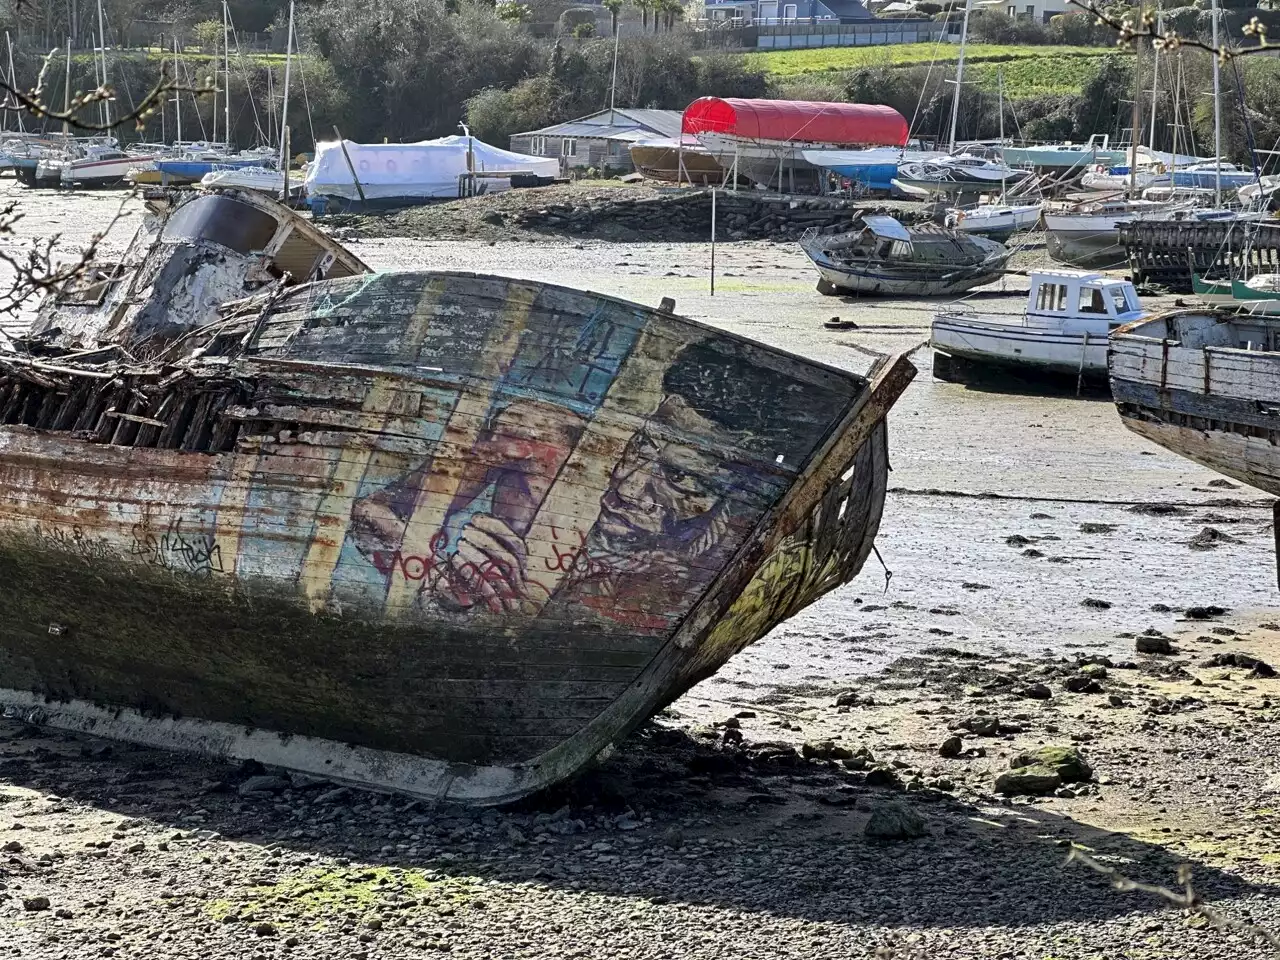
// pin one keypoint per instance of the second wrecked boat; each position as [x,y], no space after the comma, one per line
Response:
[442,533]
[885,257]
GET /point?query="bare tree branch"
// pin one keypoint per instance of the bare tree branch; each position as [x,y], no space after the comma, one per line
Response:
[33,101]
[1187,898]
[1146,28]
[35,271]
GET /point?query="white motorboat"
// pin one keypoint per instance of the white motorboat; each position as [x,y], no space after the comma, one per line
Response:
[1064,328]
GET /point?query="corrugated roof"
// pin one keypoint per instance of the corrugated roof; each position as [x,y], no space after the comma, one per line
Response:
[664,123]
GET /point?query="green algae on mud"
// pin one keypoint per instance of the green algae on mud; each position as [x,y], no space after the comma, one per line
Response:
[319,894]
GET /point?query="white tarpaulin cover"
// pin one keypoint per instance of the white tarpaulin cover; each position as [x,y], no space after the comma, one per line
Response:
[413,170]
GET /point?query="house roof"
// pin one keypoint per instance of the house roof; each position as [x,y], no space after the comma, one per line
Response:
[847,9]
[608,124]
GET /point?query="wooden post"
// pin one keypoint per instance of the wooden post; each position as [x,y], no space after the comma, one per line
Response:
[350,166]
[713,241]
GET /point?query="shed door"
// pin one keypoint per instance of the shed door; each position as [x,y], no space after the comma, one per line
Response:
[768,10]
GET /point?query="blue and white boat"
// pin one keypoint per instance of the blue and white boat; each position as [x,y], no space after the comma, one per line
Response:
[875,168]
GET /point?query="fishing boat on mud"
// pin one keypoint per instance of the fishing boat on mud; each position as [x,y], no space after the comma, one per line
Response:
[885,257]
[1062,331]
[1203,383]
[440,533]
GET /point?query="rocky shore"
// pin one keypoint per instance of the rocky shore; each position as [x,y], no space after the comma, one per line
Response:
[923,812]
[622,213]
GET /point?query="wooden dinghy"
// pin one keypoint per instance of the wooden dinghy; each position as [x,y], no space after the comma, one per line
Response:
[439,533]
[883,257]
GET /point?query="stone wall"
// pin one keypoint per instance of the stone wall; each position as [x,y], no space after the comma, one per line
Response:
[746,215]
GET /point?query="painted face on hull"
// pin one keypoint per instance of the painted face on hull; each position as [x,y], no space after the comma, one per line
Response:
[664,494]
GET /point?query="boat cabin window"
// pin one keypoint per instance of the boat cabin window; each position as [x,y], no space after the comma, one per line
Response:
[1051,297]
[1091,301]
[1120,296]
[223,220]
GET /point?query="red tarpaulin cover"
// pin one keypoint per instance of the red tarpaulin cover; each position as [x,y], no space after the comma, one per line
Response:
[840,123]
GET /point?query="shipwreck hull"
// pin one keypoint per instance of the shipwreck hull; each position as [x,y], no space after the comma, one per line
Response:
[440,533]
[1202,383]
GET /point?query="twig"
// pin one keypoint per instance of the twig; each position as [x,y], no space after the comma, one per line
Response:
[1187,898]
[35,273]
[1131,32]
[33,102]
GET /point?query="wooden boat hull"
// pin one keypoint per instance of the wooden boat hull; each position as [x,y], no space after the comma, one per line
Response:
[902,277]
[660,160]
[439,533]
[1209,401]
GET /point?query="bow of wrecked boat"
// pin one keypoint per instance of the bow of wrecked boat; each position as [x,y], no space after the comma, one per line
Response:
[440,533]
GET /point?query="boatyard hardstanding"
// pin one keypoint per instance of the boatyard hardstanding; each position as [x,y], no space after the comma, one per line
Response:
[446,533]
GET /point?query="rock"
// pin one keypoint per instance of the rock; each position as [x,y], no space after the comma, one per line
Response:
[895,821]
[841,797]
[492,217]
[1116,700]
[1158,644]
[979,725]
[331,796]
[673,837]
[1017,540]
[1035,780]
[1065,761]
[514,834]
[1097,527]
[264,783]
[1082,684]
[881,777]
[825,750]
[951,747]
[1035,691]
[1244,661]
[13,846]
[265,929]
[1204,613]
[35,903]
[138,847]
[1094,670]
[1095,604]
[1210,538]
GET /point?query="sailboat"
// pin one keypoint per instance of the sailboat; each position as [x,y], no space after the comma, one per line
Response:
[1088,234]
[999,220]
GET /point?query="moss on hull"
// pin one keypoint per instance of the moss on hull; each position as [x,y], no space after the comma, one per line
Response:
[115,632]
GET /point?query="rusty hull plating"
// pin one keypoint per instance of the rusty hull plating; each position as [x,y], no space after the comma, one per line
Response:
[440,533]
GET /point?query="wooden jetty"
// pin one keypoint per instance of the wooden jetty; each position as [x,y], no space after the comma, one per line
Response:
[440,533]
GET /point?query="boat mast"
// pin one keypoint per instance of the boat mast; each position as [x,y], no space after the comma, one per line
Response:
[284,110]
[1135,123]
[226,63]
[13,84]
[1004,167]
[955,100]
[177,94]
[102,36]
[1217,114]
[1155,77]
[66,95]
[97,79]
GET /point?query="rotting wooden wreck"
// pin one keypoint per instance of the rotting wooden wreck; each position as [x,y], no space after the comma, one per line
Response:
[883,257]
[1205,384]
[440,533]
